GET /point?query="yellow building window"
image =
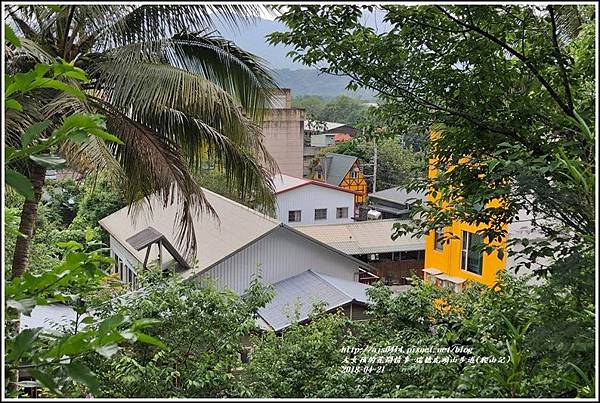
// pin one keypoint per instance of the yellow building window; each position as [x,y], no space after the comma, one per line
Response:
[471,253]
[438,236]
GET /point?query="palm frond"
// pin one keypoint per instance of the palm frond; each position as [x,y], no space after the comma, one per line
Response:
[147,90]
[153,164]
[154,22]
[241,74]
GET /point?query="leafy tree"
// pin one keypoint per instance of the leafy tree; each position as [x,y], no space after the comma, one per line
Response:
[170,91]
[343,109]
[303,362]
[507,87]
[56,359]
[204,330]
[396,165]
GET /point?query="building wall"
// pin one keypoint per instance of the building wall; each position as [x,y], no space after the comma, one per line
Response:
[116,249]
[310,197]
[358,184]
[279,255]
[448,260]
[284,138]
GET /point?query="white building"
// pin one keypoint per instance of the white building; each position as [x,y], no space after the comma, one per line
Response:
[306,201]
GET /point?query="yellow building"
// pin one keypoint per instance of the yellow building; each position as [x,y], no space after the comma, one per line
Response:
[343,171]
[458,259]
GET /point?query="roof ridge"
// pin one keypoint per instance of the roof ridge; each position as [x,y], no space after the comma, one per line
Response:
[258,213]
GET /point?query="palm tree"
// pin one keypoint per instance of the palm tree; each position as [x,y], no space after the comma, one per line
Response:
[178,95]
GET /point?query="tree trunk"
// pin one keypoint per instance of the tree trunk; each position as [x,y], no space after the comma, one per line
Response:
[28,218]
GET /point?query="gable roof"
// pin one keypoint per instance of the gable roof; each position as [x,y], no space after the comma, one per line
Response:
[362,237]
[284,183]
[236,227]
[300,292]
[336,166]
[323,126]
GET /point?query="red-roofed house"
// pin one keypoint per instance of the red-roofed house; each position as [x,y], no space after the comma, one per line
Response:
[305,201]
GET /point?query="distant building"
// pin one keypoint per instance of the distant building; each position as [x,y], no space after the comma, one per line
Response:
[313,128]
[395,260]
[305,201]
[395,202]
[283,131]
[343,171]
[318,135]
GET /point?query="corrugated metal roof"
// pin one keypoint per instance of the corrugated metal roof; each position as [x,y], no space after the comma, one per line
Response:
[322,126]
[295,297]
[237,227]
[398,195]
[336,167]
[363,237]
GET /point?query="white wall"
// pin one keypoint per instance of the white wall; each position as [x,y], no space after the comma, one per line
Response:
[280,255]
[310,197]
[119,250]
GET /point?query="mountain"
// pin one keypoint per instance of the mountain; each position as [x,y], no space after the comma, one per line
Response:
[313,82]
[289,74]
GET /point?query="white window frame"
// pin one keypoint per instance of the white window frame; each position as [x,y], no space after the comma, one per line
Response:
[464,253]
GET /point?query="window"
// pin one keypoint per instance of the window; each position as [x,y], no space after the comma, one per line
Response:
[320,214]
[438,239]
[354,173]
[471,253]
[341,212]
[294,216]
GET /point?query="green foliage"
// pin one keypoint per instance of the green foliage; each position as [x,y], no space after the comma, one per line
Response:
[33,144]
[342,109]
[55,359]
[508,86]
[204,330]
[304,362]
[70,213]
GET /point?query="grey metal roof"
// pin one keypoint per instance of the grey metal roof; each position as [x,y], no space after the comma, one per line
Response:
[336,167]
[55,317]
[295,297]
[398,195]
[237,226]
[144,238]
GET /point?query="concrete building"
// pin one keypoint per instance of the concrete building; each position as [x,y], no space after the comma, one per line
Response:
[283,131]
[305,201]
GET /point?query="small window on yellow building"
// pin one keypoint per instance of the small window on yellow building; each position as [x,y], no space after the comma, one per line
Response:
[471,253]
[438,239]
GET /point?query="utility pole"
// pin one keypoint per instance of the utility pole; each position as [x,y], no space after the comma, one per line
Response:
[374,164]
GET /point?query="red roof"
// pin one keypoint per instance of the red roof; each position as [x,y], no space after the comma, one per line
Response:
[342,137]
[300,182]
